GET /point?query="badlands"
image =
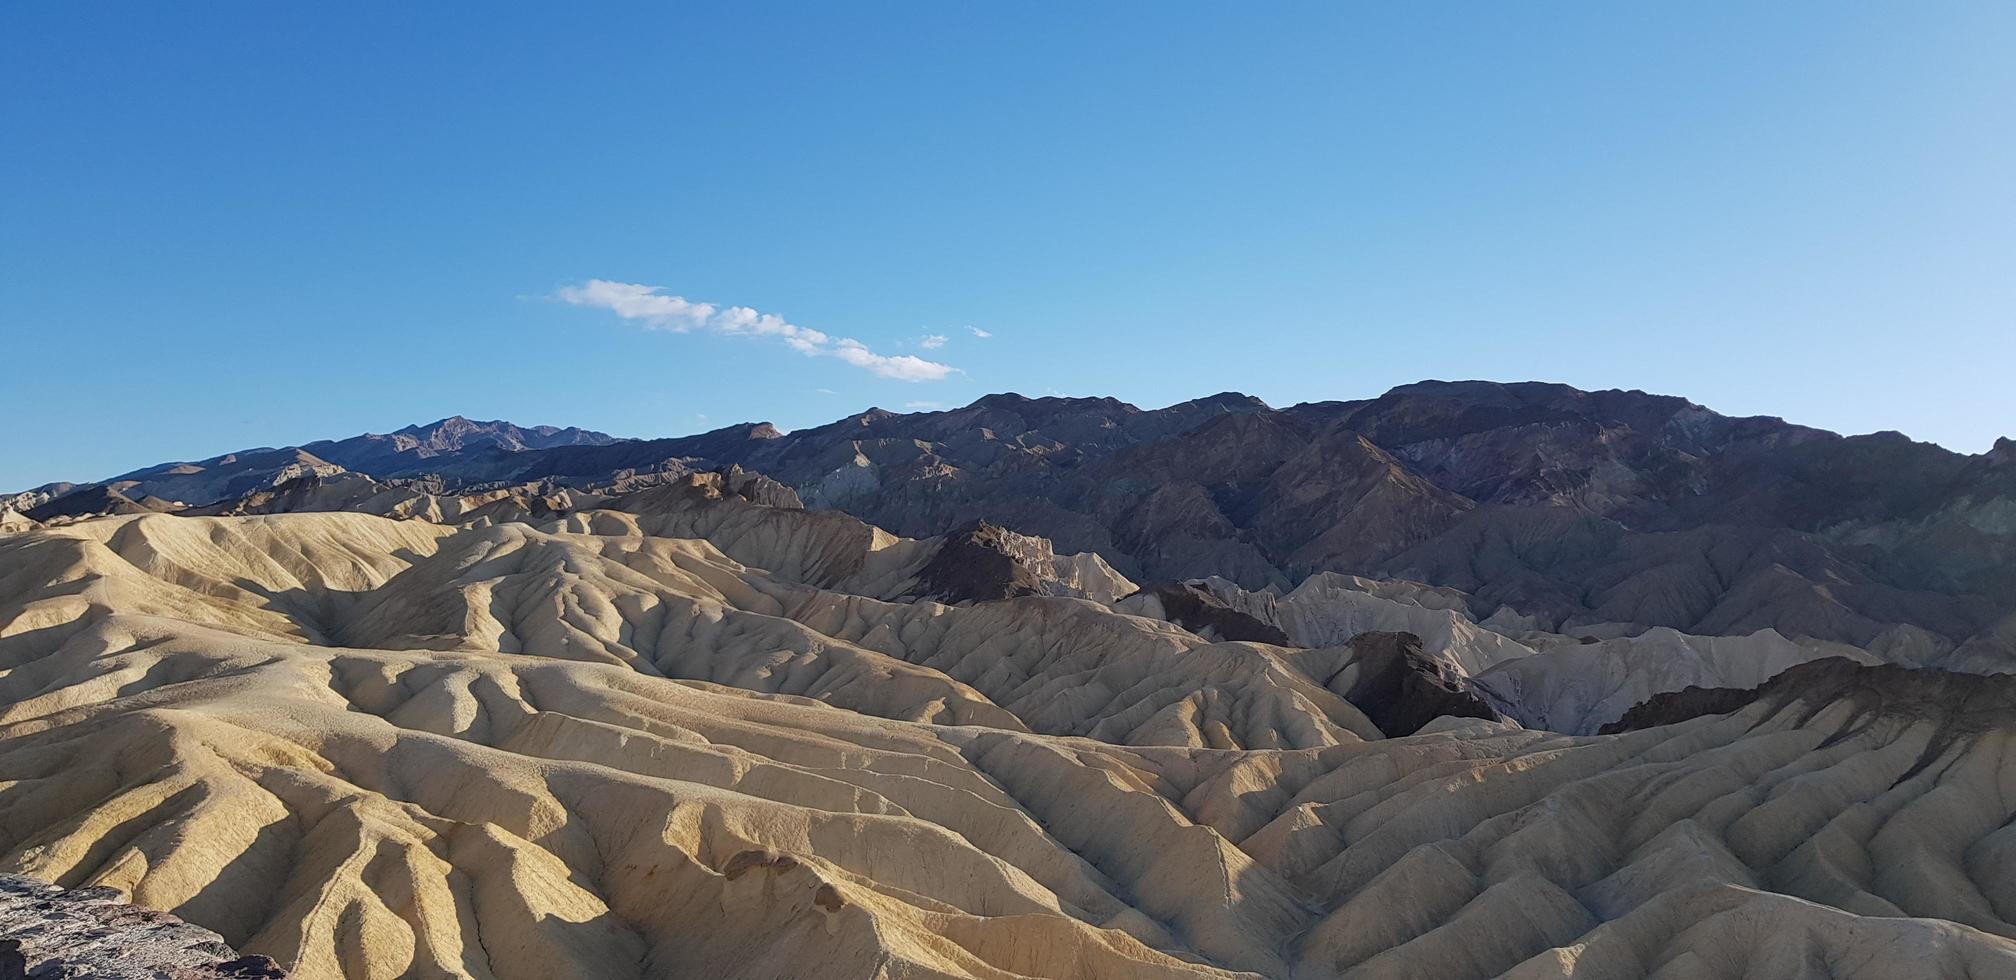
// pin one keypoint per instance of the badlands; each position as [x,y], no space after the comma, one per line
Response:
[1460,682]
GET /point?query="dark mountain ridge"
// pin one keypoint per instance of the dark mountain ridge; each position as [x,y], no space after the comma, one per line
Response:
[405,452]
[466,451]
[1568,508]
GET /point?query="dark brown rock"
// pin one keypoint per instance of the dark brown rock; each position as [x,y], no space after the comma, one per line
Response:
[1957,704]
[828,898]
[977,563]
[1401,688]
[1199,610]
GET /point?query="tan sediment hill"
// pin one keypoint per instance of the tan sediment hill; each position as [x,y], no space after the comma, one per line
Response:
[687,734]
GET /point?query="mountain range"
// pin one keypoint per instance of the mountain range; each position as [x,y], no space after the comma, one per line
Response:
[1569,511]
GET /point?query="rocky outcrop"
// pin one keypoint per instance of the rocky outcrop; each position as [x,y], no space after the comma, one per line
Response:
[982,562]
[96,501]
[1672,707]
[1193,606]
[974,564]
[51,933]
[1402,689]
[1955,705]
[759,489]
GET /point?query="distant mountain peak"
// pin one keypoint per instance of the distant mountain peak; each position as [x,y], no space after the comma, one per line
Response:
[1016,401]
[2003,453]
[457,432]
[1235,398]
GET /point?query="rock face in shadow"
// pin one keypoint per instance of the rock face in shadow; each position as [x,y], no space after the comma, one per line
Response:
[983,562]
[1957,704]
[90,502]
[759,489]
[1672,707]
[1196,608]
[1401,688]
[975,564]
[49,933]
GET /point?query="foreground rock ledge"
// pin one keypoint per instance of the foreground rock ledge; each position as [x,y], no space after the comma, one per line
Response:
[47,933]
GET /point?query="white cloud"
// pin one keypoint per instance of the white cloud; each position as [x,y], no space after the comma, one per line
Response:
[824,391]
[923,406]
[902,367]
[651,307]
[932,341]
[633,302]
[977,332]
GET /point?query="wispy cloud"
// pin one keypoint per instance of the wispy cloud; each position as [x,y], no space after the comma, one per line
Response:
[932,341]
[977,332]
[923,406]
[824,391]
[653,308]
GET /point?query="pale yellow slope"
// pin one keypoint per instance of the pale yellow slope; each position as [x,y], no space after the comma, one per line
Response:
[679,608]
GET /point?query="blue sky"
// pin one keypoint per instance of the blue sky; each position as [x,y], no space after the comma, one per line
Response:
[228,225]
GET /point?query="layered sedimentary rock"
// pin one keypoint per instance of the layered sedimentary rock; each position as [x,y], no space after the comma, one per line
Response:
[1203,611]
[50,933]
